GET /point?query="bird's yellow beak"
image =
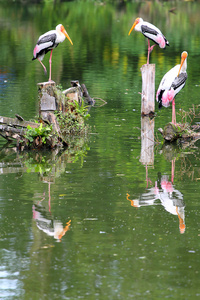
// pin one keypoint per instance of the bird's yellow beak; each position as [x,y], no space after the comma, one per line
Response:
[183,58]
[133,26]
[66,34]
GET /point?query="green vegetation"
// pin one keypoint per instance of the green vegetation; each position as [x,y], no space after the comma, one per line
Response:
[72,121]
[42,132]
[66,127]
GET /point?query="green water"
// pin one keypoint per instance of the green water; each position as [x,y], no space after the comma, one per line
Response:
[93,222]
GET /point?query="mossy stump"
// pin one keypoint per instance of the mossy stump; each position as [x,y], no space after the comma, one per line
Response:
[61,116]
[172,132]
[52,98]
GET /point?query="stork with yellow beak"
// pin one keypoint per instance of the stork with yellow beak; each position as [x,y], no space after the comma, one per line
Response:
[151,32]
[47,42]
[171,84]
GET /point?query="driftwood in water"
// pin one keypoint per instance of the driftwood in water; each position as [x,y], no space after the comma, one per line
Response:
[51,99]
[173,132]
[13,128]
[148,90]
[86,95]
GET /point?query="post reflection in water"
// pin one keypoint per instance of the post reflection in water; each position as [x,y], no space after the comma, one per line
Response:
[147,143]
[170,198]
[45,220]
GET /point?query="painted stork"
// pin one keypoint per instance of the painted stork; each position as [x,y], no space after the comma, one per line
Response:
[47,42]
[151,32]
[172,82]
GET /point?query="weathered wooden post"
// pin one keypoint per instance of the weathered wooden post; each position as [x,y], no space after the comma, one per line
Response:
[148,90]
[147,110]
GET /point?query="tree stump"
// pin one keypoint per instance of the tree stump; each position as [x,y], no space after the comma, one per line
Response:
[59,118]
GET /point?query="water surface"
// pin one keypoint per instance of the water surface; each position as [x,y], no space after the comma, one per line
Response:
[97,222]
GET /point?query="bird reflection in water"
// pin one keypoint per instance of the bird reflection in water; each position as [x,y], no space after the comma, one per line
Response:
[170,198]
[46,222]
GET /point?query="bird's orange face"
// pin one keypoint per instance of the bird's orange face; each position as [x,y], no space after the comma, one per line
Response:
[183,58]
[62,29]
[134,24]
[184,54]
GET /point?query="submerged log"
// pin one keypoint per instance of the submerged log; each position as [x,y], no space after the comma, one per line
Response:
[172,132]
[148,90]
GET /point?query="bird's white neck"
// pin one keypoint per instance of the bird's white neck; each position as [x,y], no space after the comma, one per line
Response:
[60,36]
[138,26]
[184,66]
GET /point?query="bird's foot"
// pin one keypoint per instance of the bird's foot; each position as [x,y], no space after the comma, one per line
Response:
[150,49]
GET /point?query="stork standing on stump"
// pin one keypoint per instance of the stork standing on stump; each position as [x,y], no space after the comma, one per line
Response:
[47,42]
[172,82]
[151,32]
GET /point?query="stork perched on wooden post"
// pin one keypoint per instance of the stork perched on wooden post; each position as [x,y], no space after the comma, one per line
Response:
[47,42]
[151,32]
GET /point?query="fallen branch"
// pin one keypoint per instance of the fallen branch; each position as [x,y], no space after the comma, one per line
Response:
[104,102]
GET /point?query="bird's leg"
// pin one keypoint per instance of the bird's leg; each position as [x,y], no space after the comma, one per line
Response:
[172,171]
[148,52]
[150,49]
[173,112]
[49,197]
[50,65]
[45,70]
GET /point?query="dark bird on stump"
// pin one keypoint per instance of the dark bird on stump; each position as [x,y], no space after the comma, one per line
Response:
[171,84]
[151,32]
[47,42]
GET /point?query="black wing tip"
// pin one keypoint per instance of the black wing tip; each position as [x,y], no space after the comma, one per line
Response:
[159,98]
